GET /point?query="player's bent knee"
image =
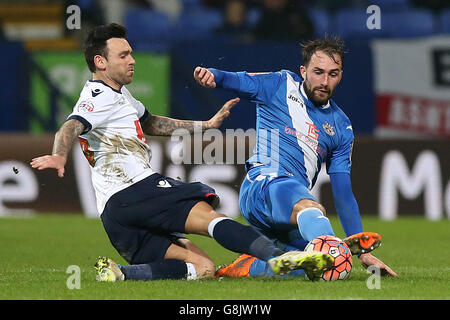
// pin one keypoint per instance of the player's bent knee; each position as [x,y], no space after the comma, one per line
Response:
[322,208]
[302,205]
[307,203]
[200,217]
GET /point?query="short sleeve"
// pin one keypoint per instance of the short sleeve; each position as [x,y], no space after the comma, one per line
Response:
[91,112]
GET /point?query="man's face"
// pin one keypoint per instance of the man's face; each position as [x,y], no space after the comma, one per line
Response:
[321,76]
[119,65]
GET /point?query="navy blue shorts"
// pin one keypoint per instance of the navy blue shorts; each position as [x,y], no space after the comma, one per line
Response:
[143,220]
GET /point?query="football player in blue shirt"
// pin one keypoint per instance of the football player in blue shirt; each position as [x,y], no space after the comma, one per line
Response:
[298,128]
[143,212]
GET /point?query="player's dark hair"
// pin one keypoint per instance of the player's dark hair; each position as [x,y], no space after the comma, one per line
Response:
[95,43]
[330,45]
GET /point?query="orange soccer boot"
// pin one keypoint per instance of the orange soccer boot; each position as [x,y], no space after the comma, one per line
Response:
[363,242]
[238,268]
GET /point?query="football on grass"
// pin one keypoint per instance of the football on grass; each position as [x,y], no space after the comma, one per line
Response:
[339,250]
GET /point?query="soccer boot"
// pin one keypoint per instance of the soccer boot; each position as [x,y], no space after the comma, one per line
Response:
[314,263]
[108,270]
[238,268]
[363,242]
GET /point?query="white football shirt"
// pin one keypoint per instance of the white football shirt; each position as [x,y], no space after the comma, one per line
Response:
[113,141]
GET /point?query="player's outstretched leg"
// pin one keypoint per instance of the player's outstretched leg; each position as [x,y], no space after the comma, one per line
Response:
[363,242]
[296,263]
[182,260]
[110,271]
[229,233]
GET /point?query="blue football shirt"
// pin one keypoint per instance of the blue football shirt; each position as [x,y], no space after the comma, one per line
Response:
[294,136]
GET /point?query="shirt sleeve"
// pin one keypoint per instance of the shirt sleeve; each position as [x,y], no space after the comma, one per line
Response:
[258,87]
[340,159]
[345,203]
[91,112]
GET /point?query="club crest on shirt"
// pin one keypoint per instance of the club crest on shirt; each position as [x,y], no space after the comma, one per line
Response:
[85,106]
[329,129]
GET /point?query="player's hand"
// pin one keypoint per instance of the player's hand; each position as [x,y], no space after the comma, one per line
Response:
[50,162]
[204,77]
[224,112]
[367,260]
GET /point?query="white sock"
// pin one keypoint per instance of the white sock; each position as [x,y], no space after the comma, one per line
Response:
[191,272]
[213,223]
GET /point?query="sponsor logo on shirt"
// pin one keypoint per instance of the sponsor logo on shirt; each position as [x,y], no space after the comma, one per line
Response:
[295,99]
[85,106]
[311,138]
[313,132]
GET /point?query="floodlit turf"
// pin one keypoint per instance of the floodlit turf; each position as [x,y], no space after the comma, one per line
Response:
[37,252]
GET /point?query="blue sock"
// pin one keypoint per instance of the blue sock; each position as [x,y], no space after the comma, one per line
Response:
[240,238]
[312,224]
[164,269]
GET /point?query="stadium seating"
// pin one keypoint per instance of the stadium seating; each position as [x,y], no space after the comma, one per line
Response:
[321,21]
[253,16]
[152,30]
[148,29]
[197,25]
[410,23]
[191,4]
[445,22]
[392,4]
[351,23]
[38,25]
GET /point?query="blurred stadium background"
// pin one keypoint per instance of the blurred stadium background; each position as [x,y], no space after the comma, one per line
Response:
[396,90]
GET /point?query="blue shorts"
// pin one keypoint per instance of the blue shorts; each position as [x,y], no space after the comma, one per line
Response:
[143,220]
[266,201]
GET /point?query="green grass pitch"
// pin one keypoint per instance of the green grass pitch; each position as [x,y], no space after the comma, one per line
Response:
[36,253]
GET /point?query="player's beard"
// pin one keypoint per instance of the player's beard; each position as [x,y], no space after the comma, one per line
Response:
[310,93]
[124,79]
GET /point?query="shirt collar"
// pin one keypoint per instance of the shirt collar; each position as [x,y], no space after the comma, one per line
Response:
[105,84]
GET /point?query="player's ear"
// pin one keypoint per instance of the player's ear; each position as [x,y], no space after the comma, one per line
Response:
[100,62]
[303,72]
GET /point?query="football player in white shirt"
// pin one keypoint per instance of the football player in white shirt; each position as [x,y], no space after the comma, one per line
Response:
[143,212]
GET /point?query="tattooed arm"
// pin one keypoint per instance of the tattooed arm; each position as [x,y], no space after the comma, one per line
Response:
[64,140]
[162,126]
